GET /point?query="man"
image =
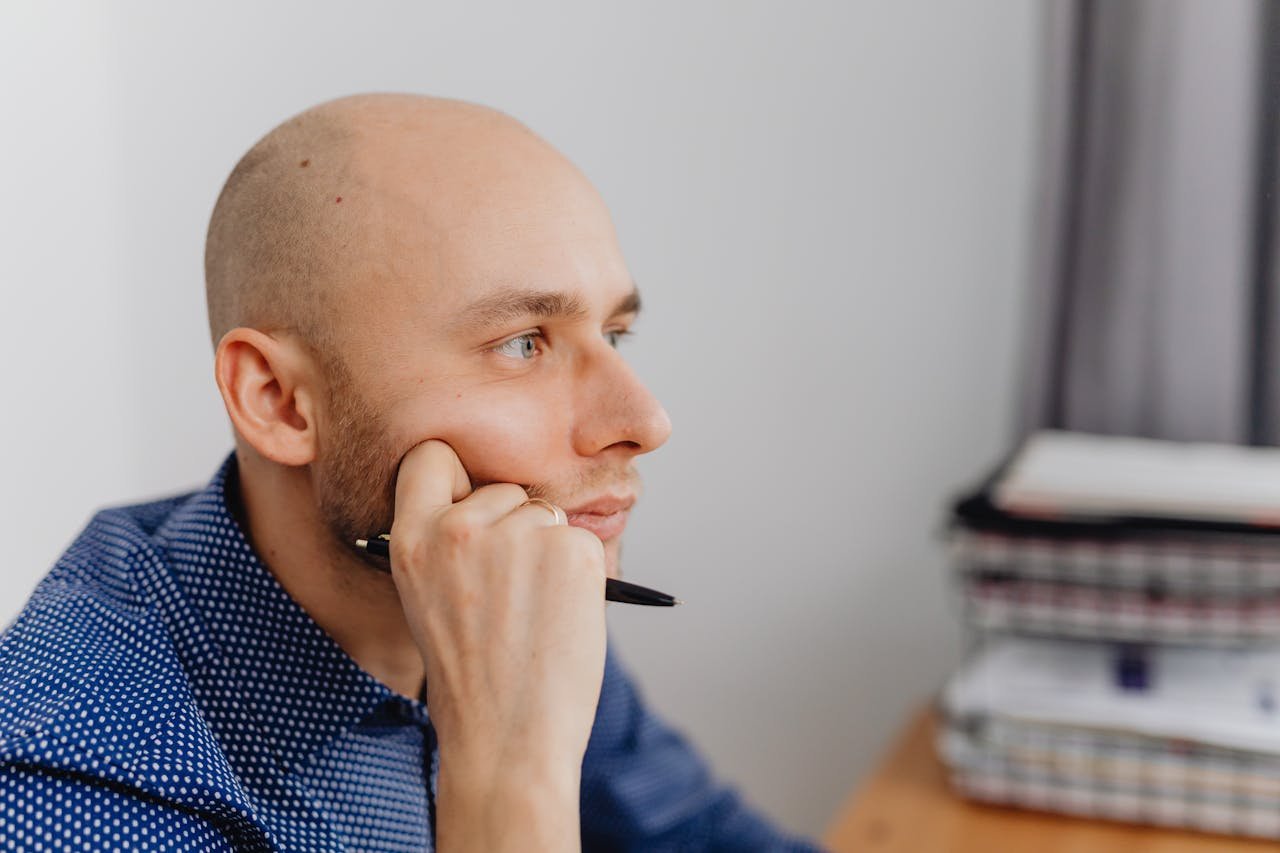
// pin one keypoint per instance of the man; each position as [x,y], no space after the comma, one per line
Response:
[414,304]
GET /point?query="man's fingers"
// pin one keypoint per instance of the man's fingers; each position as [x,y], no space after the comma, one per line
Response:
[533,515]
[489,504]
[430,477]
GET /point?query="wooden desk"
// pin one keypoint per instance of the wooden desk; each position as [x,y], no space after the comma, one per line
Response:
[907,807]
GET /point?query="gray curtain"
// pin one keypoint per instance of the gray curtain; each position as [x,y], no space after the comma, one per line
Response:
[1154,305]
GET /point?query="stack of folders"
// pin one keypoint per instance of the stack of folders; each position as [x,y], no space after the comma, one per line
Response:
[1127,593]
[1188,737]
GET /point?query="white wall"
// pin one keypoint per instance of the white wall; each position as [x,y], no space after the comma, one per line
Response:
[824,205]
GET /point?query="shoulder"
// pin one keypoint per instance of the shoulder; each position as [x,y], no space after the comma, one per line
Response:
[48,810]
[88,646]
[96,705]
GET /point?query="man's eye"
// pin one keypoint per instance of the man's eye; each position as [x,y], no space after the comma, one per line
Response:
[613,336]
[521,346]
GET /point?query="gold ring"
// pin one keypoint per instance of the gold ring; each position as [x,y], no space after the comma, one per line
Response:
[561,518]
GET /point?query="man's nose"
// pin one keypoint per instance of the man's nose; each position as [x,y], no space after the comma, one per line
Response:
[615,408]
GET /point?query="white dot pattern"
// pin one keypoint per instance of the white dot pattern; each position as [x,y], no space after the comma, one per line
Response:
[161,691]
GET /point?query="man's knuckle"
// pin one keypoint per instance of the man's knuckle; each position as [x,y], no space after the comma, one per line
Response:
[456,528]
[406,551]
[578,545]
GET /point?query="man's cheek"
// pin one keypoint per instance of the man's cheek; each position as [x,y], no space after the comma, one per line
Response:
[511,441]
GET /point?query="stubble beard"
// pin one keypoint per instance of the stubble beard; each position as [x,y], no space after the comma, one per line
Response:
[355,470]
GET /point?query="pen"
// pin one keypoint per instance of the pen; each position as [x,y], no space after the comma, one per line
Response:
[614,590]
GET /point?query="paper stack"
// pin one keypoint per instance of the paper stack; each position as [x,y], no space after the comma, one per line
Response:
[1128,596]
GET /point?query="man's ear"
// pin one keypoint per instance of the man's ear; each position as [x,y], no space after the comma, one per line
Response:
[268,385]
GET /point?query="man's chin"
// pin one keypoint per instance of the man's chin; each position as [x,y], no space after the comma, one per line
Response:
[613,559]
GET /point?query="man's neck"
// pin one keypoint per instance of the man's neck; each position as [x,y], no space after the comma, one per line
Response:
[356,605]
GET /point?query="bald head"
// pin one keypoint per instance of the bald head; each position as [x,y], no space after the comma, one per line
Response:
[453,277]
[318,203]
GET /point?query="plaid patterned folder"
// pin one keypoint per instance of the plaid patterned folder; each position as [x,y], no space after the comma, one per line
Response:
[1208,589]
[1113,775]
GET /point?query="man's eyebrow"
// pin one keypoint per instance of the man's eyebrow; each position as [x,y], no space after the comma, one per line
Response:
[511,304]
[629,304]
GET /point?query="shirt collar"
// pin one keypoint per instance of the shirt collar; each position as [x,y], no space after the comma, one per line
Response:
[306,691]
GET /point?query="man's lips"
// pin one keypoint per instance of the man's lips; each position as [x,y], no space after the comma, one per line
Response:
[605,517]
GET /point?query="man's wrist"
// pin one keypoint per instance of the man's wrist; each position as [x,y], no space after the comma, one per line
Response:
[522,805]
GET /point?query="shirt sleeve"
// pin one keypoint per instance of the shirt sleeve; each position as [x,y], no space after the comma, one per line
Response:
[54,810]
[644,787]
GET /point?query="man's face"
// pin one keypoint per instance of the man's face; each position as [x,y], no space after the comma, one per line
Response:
[488,318]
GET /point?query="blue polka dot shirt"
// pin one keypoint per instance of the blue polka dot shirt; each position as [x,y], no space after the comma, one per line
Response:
[161,691]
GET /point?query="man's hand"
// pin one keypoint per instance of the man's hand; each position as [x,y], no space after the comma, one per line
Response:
[507,610]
